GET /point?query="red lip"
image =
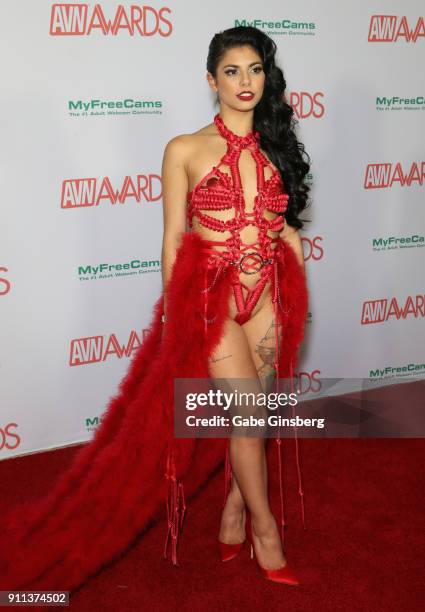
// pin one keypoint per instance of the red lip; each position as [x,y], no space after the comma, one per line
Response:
[245,95]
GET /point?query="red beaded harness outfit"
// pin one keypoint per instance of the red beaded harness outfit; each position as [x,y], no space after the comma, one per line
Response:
[220,191]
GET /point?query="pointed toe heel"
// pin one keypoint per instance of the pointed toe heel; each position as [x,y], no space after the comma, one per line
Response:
[283,575]
[229,551]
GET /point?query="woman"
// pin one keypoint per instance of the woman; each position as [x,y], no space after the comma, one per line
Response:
[249,88]
[243,308]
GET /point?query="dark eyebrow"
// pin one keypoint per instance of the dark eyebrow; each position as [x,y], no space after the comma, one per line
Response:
[237,65]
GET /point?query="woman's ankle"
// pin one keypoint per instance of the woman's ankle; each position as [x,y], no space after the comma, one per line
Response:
[264,525]
[234,503]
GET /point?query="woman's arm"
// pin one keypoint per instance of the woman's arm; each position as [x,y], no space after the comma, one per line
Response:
[174,196]
[291,235]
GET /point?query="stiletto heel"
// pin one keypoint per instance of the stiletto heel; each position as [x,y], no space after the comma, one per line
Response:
[284,575]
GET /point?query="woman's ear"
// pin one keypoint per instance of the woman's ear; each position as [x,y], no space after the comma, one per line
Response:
[211,81]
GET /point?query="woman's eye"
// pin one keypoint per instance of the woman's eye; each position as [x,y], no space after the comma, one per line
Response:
[233,71]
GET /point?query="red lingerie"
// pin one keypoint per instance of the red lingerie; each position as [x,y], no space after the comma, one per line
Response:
[219,190]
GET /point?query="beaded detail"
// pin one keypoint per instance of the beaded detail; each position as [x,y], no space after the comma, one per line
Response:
[218,190]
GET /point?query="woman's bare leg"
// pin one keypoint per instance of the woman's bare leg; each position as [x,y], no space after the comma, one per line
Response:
[232,530]
[260,331]
[248,352]
[232,359]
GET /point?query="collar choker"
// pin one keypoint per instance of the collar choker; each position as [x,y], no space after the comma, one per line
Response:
[231,137]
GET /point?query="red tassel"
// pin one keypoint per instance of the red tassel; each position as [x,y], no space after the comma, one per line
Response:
[176,507]
[300,488]
[205,302]
[281,490]
[227,474]
[276,304]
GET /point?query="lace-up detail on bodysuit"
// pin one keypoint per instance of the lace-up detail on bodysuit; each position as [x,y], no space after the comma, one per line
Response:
[219,190]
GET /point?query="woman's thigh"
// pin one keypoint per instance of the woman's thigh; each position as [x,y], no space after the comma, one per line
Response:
[232,369]
[248,350]
[260,333]
[244,358]
[232,358]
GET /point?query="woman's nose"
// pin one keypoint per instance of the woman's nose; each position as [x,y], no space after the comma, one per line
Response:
[245,80]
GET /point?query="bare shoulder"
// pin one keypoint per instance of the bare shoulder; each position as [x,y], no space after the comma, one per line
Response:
[178,148]
[206,131]
[185,146]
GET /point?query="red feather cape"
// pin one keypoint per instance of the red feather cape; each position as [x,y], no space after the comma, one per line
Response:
[122,478]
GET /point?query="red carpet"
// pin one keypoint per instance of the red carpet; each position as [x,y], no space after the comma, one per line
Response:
[363,548]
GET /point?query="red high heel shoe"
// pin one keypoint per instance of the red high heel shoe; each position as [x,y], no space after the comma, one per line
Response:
[230,551]
[284,575]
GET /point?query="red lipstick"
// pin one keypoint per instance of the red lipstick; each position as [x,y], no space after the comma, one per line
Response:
[246,96]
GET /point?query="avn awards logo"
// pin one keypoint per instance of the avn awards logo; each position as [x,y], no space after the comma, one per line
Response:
[386,309]
[95,349]
[84,192]
[307,104]
[134,20]
[4,282]
[312,248]
[392,28]
[308,382]
[8,439]
[280,27]
[385,175]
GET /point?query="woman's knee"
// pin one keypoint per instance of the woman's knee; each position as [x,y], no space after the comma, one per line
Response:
[249,443]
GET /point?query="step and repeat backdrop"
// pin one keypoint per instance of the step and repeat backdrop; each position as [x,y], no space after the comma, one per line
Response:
[91,94]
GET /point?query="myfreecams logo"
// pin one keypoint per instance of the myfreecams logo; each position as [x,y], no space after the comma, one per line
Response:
[126,106]
[397,103]
[280,27]
[133,267]
[391,243]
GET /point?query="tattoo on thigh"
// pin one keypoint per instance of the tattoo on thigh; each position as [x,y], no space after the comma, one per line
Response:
[214,359]
[266,349]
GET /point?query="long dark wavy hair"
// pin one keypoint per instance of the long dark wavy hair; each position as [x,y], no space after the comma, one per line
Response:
[274,119]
